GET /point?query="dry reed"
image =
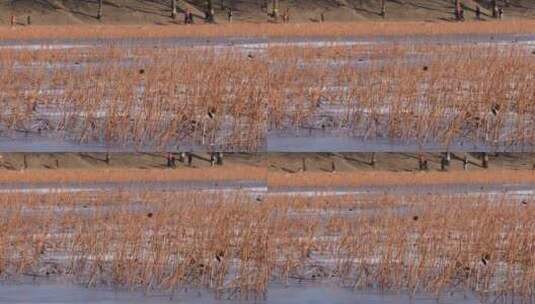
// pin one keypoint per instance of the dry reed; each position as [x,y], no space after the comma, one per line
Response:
[168,241]
[230,98]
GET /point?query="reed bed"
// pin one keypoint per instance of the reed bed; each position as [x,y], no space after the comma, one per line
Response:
[167,241]
[231,98]
[345,29]
[156,100]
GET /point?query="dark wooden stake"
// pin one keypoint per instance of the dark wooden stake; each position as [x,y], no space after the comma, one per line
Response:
[173,9]
[99,13]
[219,158]
[485,160]
[190,159]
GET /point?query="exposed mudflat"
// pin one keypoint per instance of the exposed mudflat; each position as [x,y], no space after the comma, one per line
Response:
[258,189]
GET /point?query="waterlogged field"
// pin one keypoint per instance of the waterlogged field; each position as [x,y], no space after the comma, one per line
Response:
[388,94]
[235,248]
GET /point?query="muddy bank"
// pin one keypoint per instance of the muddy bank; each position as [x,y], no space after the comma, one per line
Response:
[274,162]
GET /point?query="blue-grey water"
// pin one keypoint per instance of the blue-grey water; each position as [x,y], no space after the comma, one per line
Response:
[65,293]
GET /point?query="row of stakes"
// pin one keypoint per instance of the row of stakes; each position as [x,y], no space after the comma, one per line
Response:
[216,158]
[423,163]
[13,20]
[445,161]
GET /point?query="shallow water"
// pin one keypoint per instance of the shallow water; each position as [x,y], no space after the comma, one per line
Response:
[178,186]
[308,141]
[256,42]
[260,188]
[326,143]
[57,293]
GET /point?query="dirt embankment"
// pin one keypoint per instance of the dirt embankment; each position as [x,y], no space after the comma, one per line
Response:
[159,12]
[273,162]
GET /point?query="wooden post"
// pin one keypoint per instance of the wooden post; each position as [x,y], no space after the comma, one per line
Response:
[373,160]
[229,15]
[57,163]
[465,162]
[169,160]
[485,160]
[333,167]
[108,158]
[275,10]
[29,20]
[421,162]
[444,163]
[24,161]
[383,9]
[182,157]
[210,10]
[173,9]
[304,164]
[494,9]
[13,20]
[212,159]
[99,13]
[190,159]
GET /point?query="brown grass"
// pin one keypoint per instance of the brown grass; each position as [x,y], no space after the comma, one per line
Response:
[269,30]
[160,98]
[167,241]
[238,172]
[272,179]
[360,179]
